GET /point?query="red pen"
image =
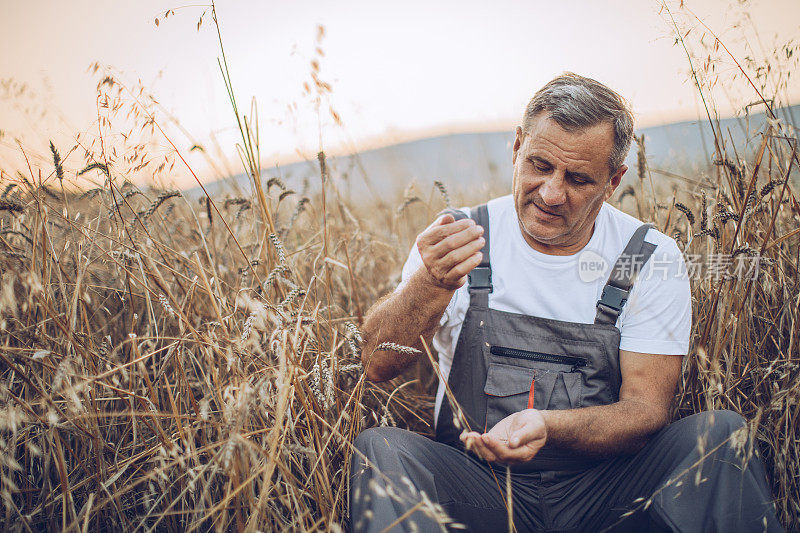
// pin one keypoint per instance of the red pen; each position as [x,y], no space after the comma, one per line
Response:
[530,394]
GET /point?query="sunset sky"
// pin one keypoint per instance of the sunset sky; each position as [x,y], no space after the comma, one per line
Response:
[398,70]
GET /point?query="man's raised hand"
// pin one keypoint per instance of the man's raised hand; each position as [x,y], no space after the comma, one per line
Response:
[450,249]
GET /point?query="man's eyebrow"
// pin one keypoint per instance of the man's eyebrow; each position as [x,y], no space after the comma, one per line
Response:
[540,160]
[581,175]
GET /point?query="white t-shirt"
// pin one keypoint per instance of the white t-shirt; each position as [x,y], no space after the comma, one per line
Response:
[657,318]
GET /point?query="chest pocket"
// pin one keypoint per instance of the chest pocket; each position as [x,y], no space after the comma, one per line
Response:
[534,380]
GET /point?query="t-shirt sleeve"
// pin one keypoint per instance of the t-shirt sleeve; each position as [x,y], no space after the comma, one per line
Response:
[657,319]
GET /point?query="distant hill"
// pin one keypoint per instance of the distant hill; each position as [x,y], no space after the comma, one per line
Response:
[471,159]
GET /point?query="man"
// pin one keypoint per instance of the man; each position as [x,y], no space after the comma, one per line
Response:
[562,376]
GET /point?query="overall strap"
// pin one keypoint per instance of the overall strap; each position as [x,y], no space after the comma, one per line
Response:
[480,279]
[623,275]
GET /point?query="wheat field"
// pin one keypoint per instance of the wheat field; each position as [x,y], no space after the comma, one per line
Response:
[169,364]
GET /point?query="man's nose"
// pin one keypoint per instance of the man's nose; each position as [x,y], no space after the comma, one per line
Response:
[553,191]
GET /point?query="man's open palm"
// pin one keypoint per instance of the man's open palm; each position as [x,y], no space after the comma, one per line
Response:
[515,439]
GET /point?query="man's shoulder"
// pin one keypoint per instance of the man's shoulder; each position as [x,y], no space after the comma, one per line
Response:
[501,208]
[624,226]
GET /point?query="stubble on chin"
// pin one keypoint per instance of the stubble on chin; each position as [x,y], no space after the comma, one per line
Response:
[543,233]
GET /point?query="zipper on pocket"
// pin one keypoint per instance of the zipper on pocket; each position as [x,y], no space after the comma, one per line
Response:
[568,360]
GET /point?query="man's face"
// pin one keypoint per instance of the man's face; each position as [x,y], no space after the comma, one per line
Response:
[561,180]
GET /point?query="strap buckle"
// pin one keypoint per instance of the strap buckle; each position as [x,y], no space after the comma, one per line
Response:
[480,278]
[613,298]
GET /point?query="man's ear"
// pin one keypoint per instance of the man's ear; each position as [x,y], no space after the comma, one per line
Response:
[517,143]
[615,180]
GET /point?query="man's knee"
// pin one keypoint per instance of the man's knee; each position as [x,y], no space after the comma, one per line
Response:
[719,425]
[381,443]
[375,454]
[710,429]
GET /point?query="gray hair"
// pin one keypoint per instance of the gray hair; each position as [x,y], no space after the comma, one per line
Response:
[576,102]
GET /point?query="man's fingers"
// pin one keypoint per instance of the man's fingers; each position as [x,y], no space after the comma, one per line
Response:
[501,450]
[450,253]
[458,274]
[441,231]
[462,253]
[465,237]
[472,441]
[446,226]
[525,435]
[483,451]
[475,444]
[457,263]
[529,427]
[445,219]
[465,267]
[467,437]
[493,449]
[497,446]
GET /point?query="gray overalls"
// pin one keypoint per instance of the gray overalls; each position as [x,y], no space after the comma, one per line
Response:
[506,362]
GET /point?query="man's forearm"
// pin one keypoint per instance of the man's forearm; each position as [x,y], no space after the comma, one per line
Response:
[402,318]
[603,430]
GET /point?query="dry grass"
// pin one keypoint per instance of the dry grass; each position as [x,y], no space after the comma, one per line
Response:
[154,377]
[172,365]
[741,226]
[175,365]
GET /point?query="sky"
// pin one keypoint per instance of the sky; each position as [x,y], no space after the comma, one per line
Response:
[397,71]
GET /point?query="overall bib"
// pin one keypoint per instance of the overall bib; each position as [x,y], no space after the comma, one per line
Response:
[506,362]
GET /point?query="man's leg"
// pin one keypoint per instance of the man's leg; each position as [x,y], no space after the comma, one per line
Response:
[690,473]
[402,478]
